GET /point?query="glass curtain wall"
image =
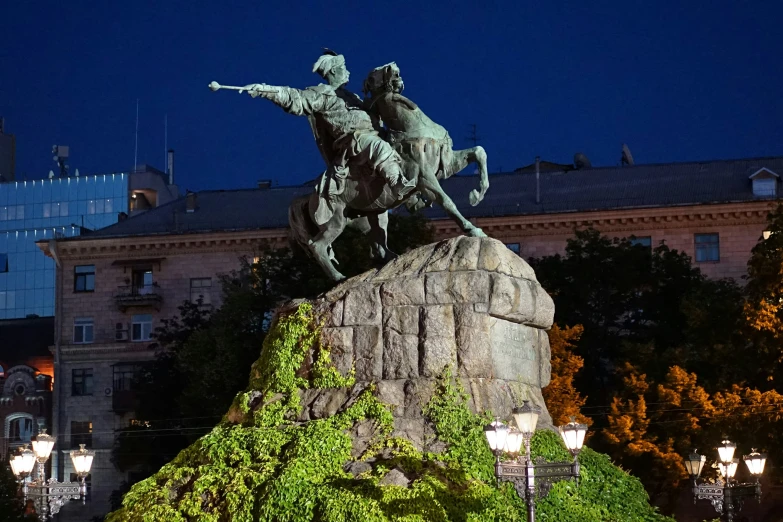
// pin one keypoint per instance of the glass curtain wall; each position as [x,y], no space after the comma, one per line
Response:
[43,209]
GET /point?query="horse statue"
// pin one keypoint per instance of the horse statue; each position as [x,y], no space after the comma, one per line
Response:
[427,157]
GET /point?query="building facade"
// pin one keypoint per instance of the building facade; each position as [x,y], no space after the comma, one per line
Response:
[114,287]
[61,207]
[714,211]
[25,380]
[718,238]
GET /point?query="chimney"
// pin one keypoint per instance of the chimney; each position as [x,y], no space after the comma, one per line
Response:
[170,167]
[264,184]
[190,202]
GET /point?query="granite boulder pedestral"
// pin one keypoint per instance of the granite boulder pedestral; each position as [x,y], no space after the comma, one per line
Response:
[467,303]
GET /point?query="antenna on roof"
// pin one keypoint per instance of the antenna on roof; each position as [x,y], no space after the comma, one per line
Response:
[626,159]
[136,148]
[538,182]
[61,153]
[474,138]
[581,161]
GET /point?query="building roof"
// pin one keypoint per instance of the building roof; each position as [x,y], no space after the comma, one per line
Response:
[601,188]
[24,339]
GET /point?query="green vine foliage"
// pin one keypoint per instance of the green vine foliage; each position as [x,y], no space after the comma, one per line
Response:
[260,464]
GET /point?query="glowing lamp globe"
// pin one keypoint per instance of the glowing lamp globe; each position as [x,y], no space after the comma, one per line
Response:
[526,417]
[728,470]
[25,461]
[16,465]
[726,451]
[755,462]
[513,441]
[496,433]
[573,435]
[694,464]
[42,446]
[82,460]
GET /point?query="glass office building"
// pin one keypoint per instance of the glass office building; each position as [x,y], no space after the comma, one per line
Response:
[40,209]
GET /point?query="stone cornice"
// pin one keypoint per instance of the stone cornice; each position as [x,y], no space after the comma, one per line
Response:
[620,220]
[71,350]
[626,220]
[154,245]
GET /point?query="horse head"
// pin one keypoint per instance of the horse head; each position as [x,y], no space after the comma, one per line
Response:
[382,80]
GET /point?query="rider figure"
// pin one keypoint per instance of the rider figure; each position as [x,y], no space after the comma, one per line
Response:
[346,134]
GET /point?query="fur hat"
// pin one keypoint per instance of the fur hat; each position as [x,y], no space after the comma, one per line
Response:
[327,62]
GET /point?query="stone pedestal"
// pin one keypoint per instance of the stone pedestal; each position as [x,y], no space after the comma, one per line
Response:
[469,303]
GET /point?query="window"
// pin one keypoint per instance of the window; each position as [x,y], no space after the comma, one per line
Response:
[81,433]
[7,300]
[125,376]
[20,429]
[201,288]
[141,328]
[514,247]
[84,278]
[707,248]
[82,330]
[81,382]
[645,241]
[142,281]
[11,212]
[764,187]
[3,263]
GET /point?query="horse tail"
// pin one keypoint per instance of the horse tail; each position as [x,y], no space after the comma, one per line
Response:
[300,223]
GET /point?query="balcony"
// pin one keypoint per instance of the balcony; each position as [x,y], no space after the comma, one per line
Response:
[138,296]
[123,401]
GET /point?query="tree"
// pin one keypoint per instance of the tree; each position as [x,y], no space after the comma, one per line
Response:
[650,308]
[204,357]
[763,306]
[562,399]
[12,508]
[655,341]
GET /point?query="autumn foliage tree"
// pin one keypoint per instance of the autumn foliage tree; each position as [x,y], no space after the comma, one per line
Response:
[763,308]
[562,399]
[672,360]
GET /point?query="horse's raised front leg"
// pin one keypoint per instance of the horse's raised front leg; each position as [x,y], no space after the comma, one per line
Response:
[321,245]
[429,185]
[463,158]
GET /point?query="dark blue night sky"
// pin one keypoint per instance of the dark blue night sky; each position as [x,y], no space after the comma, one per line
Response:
[676,80]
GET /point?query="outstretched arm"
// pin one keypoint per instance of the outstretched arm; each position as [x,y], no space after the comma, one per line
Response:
[299,102]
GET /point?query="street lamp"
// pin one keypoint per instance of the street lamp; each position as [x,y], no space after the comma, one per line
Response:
[49,495]
[573,435]
[22,465]
[520,469]
[694,464]
[755,462]
[82,462]
[725,494]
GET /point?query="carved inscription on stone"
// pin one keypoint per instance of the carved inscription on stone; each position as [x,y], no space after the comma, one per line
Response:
[514,351]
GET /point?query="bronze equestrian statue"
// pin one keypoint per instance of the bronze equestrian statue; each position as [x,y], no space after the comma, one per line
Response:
[370,169]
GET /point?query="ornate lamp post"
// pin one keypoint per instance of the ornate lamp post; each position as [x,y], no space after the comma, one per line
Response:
[726,494]
[521,470]
[49,495]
